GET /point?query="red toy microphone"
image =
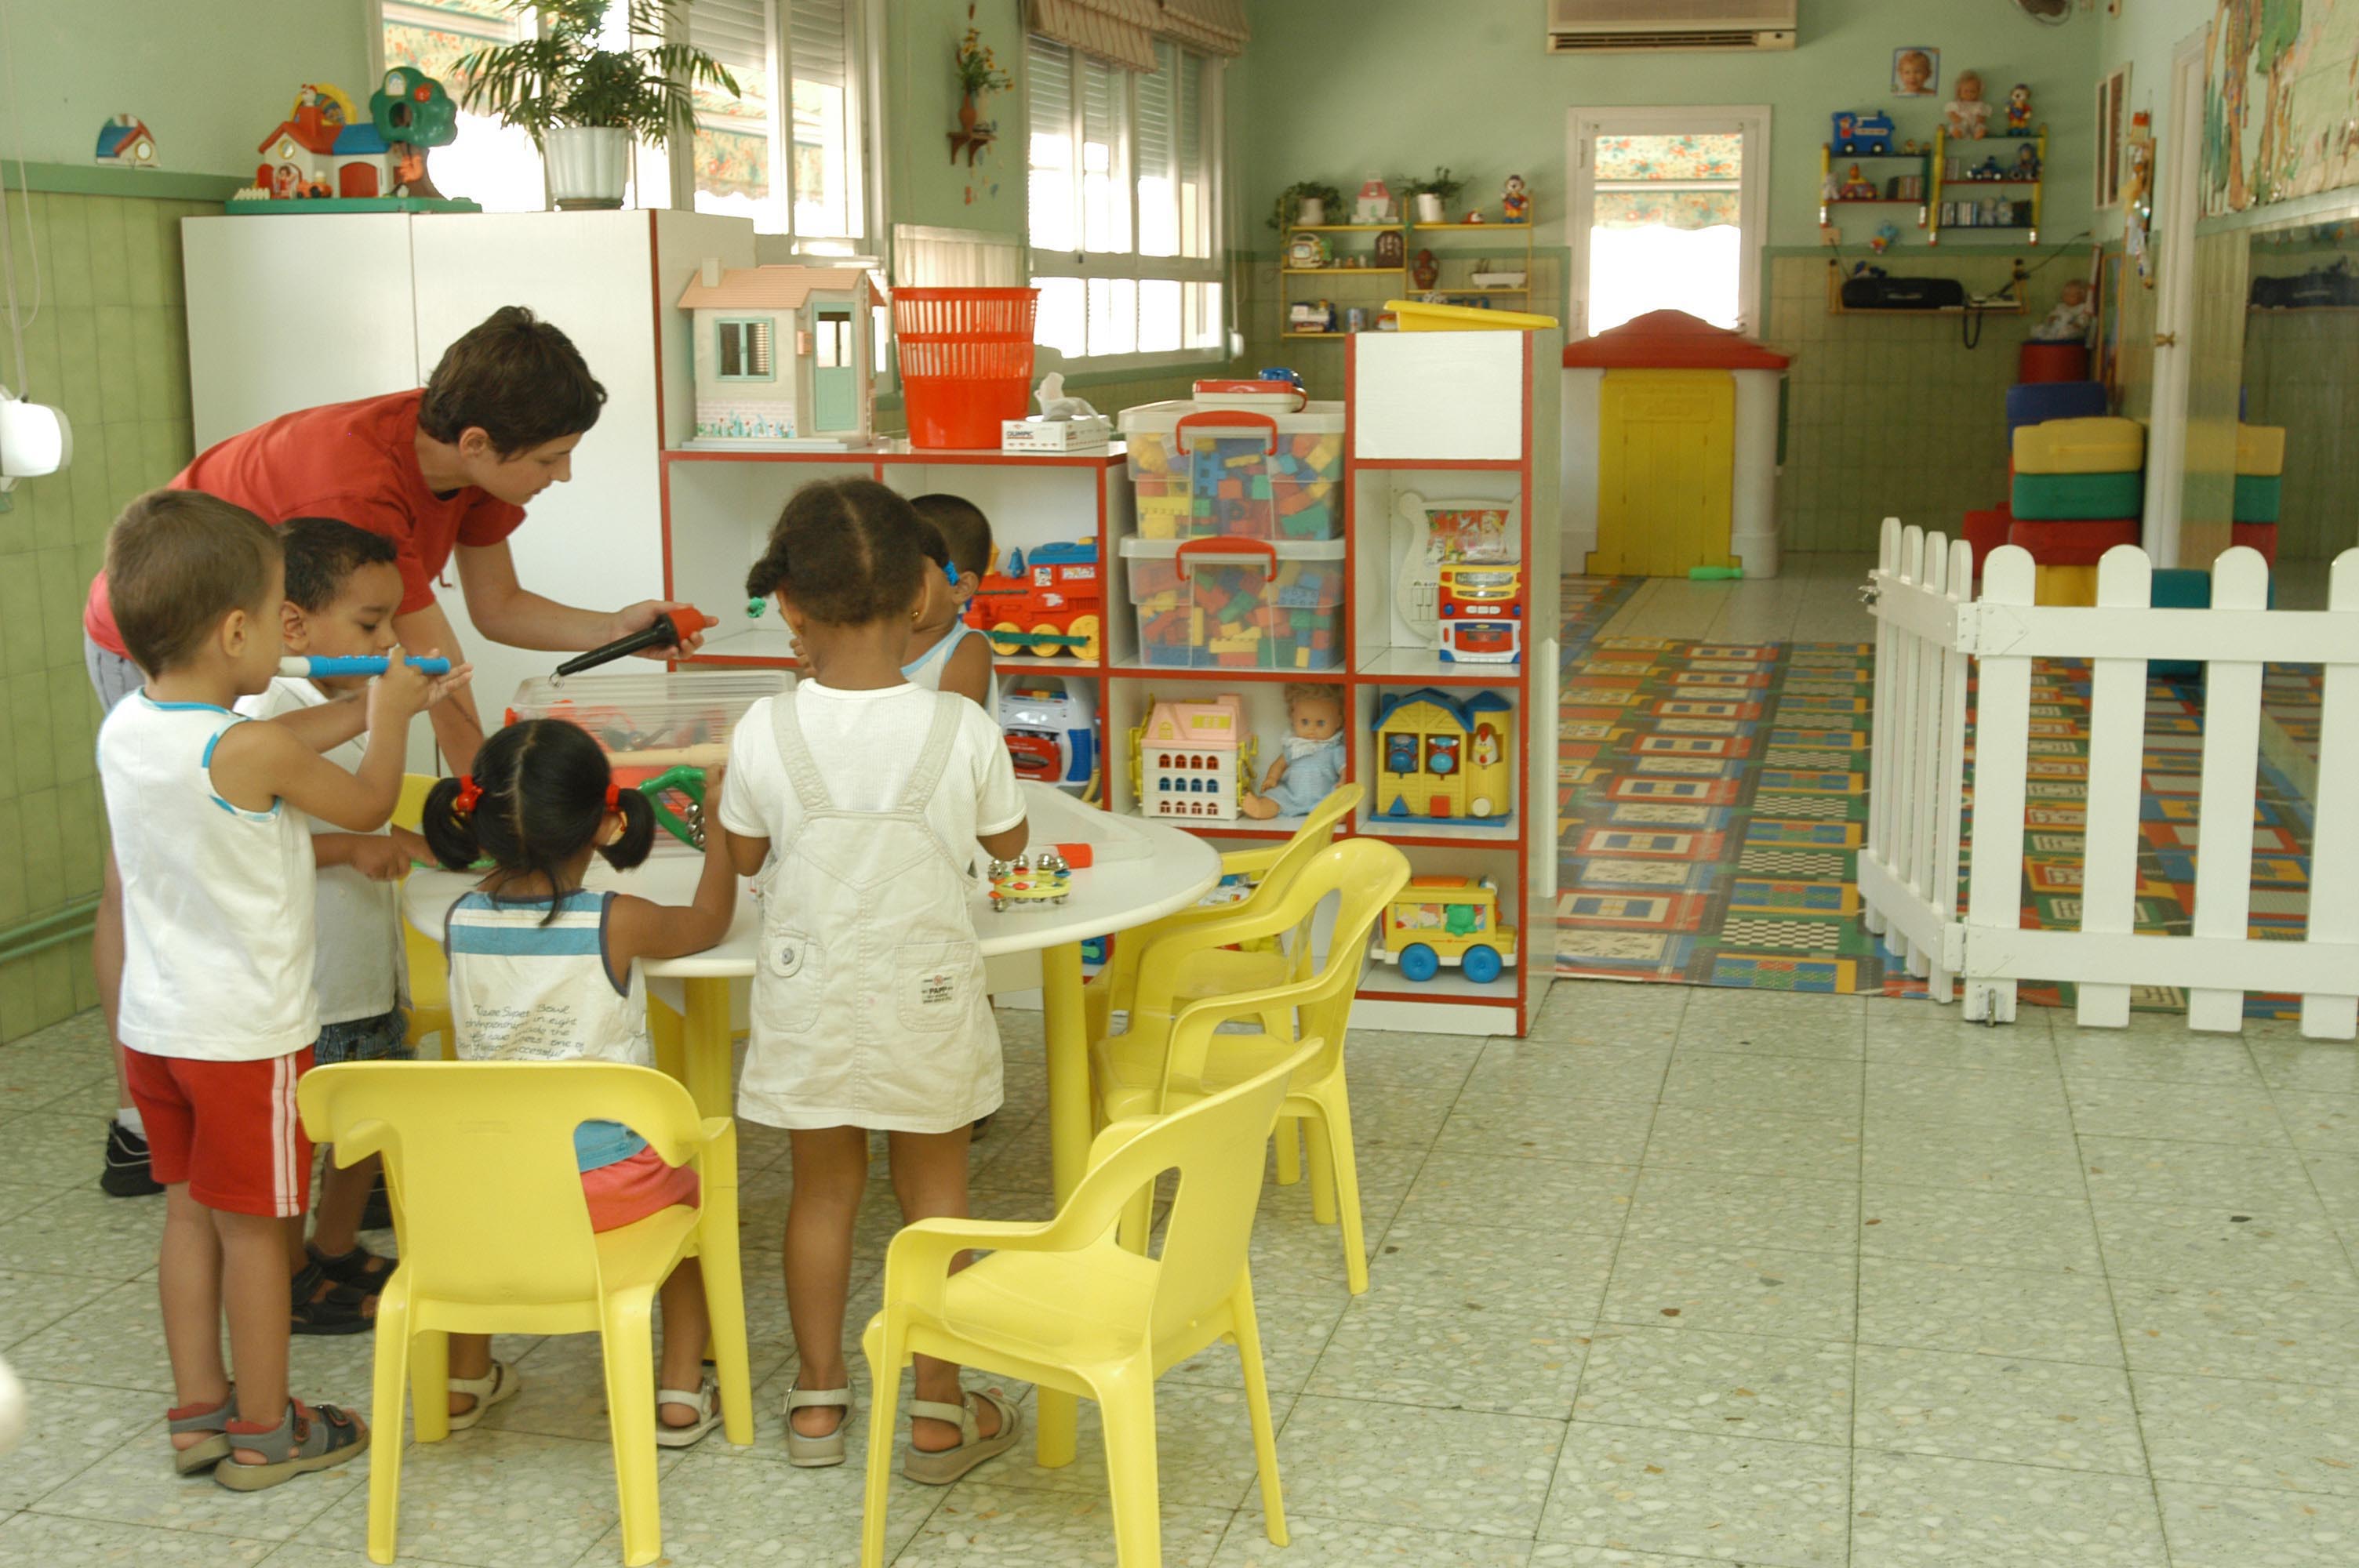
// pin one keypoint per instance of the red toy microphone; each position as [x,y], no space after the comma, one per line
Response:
[668,630]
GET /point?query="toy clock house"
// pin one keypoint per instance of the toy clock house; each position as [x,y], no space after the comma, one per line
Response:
[1188,759]
[784,356]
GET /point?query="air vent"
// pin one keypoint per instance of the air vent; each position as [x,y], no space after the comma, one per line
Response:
[1596,26]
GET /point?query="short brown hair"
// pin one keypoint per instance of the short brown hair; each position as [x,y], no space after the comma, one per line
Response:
[848,552]
[177,562]
[965,531]
[514,377]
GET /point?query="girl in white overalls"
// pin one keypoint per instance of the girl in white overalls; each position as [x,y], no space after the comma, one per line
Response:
[860,800]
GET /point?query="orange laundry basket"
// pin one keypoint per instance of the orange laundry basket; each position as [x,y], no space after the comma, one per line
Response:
[966,362]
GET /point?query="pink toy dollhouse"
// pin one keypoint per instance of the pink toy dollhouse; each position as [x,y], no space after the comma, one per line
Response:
[1188,759]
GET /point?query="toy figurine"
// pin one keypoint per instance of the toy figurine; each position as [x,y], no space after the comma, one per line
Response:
[1967,115]
[1473,216]
[1311,764]
[1857,186]
[2026,162]
[1427,271]
[1882,240]
[1989,169]
[2069,323]
[2018,110]
[1514,205]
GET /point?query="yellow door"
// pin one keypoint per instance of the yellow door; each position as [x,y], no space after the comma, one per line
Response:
[1666,455]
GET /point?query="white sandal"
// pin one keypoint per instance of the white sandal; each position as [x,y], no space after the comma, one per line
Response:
[941,1466]
[495,1386]
[705,1400]
[817,1453]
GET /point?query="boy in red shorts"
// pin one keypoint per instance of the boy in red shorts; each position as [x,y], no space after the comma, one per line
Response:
[219,1011]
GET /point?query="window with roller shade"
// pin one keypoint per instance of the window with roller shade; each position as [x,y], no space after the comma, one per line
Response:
[787,150]
[1124,204]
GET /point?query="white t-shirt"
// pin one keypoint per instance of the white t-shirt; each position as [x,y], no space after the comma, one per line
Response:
[865,744]
[359,965]
[216,900]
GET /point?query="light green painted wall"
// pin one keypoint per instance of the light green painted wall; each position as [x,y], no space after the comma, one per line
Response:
[921,103]
[209,80]
[2145,35]
[110,347]
[1342,87]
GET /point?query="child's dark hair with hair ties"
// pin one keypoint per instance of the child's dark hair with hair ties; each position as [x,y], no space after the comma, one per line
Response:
[845,553]
[540,795]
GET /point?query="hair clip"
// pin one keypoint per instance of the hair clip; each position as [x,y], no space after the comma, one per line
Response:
[614,795]
[950,570]
[470,791]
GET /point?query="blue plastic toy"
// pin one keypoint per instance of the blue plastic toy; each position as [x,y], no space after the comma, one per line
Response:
[1856,133]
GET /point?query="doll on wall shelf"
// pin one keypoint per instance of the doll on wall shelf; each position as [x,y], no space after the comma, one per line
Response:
[2018,110]
[1311,764]
[2070,321]
[1967,116]
[1515,204]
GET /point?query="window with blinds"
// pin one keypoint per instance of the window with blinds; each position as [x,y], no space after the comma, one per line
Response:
[1123,202]
[745,351]
[797,171]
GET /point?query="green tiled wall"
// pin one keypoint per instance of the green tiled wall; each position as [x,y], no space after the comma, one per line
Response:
[109,345]
[1895,416]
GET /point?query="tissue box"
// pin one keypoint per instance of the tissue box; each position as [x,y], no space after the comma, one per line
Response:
[1088,434]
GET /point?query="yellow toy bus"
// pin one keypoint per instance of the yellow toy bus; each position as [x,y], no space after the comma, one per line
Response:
[1446,921]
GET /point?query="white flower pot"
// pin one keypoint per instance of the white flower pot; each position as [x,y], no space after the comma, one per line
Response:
[588,167]
[1311,212]
[1428,209]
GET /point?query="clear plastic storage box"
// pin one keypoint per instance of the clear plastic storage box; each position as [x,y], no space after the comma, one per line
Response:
[1209,472]
[1238,603]
[646,721]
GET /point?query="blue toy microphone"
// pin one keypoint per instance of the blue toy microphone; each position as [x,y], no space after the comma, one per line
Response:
[299,666]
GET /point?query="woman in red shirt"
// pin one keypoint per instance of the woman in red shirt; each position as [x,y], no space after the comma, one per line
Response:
[445,473]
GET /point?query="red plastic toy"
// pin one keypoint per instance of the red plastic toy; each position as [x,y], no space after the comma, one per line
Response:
[1053,603]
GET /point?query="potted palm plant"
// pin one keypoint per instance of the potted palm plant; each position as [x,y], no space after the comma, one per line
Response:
[582,102]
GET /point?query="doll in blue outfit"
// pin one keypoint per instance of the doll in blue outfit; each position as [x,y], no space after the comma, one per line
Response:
[1311,765]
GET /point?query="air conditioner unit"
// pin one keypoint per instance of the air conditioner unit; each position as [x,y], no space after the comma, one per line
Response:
[1599,26]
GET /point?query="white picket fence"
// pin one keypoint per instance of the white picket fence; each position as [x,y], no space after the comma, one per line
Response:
[1930,624]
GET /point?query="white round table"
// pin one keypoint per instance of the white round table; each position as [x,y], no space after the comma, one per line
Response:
[1140,872]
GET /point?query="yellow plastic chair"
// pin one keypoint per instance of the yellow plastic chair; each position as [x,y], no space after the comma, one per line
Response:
[430,993]
[496,1239]
[1064,1305]
[1170,1058]
[1221,972]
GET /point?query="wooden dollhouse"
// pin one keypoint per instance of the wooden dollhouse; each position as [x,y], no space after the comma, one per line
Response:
[782,356]
[1446,759]
[1188,759]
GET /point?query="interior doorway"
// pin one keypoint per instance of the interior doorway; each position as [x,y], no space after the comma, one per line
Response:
[1666,211]
[2177,201]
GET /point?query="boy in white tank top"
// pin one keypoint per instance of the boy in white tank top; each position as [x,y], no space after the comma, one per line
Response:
[945,652]
[219,1009]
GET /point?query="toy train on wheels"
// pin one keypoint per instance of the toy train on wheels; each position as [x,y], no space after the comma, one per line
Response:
[1053,603]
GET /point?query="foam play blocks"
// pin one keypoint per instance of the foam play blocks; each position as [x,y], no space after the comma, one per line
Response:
[1986,531]
[2258,498]
[2093,445]
[2261,537]
[2260,450]
[2069,496]
[2071,543]
[2035,403]
[2065,587]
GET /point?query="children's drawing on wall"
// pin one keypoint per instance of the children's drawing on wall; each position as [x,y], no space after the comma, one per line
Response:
[2278,92]
[1916,72]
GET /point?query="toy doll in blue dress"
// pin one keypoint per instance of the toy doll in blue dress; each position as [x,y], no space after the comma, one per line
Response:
[1311,764]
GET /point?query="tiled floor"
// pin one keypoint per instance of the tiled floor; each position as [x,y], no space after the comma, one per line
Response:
[1688,1276]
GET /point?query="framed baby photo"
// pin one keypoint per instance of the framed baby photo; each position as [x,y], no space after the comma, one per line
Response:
[1916,72]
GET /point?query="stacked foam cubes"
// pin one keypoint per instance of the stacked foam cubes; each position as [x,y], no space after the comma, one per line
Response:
[2260,484]
[2077,491]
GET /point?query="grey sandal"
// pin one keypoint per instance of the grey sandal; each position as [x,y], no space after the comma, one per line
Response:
[705,1400]
[817,1453]
[942,1467]
[213,1419]
[495,1386]
[307,1438]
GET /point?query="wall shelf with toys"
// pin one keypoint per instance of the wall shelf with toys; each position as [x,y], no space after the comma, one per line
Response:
[1962,167]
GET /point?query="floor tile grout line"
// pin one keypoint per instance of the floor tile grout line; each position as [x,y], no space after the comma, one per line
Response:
[2121,1333]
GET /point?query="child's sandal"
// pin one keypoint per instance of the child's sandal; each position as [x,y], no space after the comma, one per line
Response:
[360,1269]
[307,1438]
[705,1400]
[497,1386]
[340,1310]
[211,1420]
[817,1453]
[941,1466]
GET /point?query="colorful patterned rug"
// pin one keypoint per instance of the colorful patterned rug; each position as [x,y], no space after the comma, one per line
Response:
[1714,800]
[1713,797]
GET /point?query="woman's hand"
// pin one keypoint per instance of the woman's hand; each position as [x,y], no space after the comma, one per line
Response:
[639,618]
